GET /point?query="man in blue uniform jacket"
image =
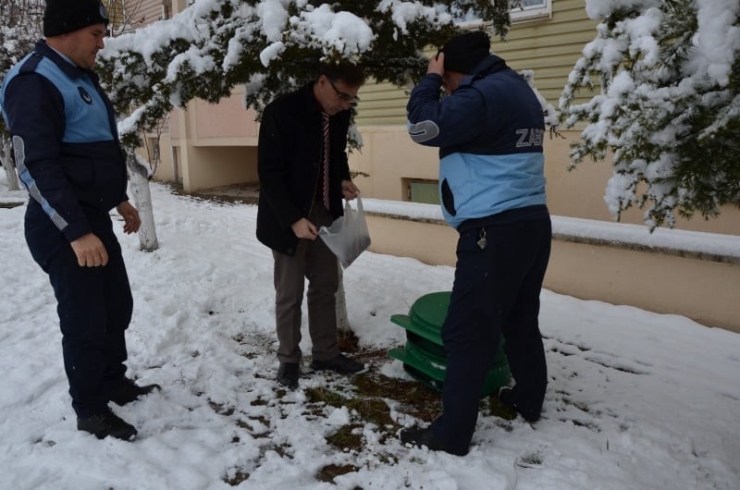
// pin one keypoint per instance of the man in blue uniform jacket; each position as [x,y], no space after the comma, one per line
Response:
[492,187]
[68,156]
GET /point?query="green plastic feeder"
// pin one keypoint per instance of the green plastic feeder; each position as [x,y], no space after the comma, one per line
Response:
[424,356]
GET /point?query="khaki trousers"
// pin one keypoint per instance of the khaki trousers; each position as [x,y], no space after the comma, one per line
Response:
[313,261]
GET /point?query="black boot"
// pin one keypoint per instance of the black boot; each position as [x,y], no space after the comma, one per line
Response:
[287,375]
[507,397]
[129,391]
[340,364]
[107,423]
[426,438]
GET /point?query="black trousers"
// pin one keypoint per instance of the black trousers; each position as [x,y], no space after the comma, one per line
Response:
[94,306]
[496,293]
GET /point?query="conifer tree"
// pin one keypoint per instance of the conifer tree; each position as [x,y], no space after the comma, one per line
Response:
[669,107]
[273,46]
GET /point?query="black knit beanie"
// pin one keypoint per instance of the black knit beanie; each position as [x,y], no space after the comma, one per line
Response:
[63,16]
[464,52]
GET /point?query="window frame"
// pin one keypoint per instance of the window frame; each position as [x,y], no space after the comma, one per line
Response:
[407,183]
[534,12]
[518,15]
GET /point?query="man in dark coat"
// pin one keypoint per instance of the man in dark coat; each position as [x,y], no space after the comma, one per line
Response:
[66,148]
[492,187]
[304,174]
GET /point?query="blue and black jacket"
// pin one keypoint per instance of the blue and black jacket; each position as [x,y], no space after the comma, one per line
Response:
[65,139]
[490,133]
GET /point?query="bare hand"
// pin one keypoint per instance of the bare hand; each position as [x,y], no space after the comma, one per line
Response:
[90,251]
[130,216]
[349,190]
[437,64]
[305,229]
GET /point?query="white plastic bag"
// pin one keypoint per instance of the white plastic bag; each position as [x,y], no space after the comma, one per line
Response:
[347,236]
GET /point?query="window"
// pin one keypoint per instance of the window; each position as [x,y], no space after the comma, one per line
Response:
[532,9]
[424,191]
[523,11]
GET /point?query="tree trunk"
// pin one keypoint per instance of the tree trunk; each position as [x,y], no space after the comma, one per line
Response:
[10,172]
[342,321]
[143,199]
[348,341]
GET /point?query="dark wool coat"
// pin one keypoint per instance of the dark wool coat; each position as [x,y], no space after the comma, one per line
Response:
[289,158]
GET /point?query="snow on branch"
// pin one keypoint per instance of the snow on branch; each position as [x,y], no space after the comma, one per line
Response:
[271,45]
[669,107]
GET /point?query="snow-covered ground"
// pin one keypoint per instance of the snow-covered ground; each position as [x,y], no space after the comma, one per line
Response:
[636,400]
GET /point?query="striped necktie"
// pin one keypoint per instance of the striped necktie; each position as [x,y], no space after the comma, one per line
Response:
[327,152]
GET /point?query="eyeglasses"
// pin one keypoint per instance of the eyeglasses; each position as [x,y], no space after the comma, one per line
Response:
[344,96]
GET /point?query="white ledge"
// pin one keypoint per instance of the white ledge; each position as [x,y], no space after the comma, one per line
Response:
[710,246]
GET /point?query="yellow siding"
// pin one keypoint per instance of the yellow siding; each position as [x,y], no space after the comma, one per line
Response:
[145,12]
[115,13]
[549,47]
[381,104]
[150,11]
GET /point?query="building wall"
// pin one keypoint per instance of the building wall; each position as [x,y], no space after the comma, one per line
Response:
[137,13]
[391,159]
[701,288]
[148,11]
[549,46]
[214,145]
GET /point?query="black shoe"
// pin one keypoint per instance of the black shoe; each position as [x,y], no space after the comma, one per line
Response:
[426,438]
[287,375]
[340,364]
[106,424]
[506,397]
[129,391]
